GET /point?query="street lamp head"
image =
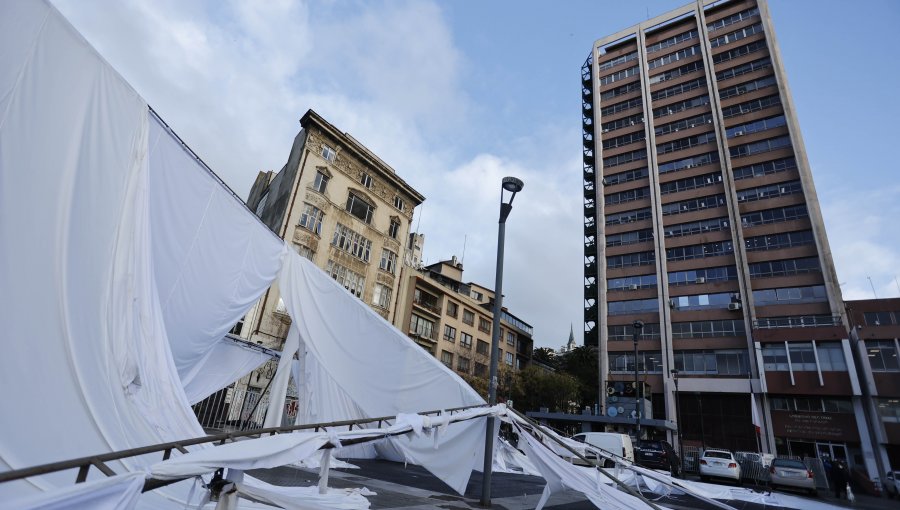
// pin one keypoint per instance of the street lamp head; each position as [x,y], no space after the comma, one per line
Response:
[638,325]
[674,373]
[513,184]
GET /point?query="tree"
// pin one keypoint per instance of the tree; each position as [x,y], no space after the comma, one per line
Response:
[534,388]
[546,356]
[581,363]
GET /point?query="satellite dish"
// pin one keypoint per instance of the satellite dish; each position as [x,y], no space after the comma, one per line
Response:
[621,409]
[613,398]
[612,412]
[634,414]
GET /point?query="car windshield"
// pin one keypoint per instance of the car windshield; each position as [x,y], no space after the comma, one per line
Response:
[650,445]
[717,455]
[789,463]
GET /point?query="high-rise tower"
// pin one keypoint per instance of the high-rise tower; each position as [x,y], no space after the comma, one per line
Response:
[701,221]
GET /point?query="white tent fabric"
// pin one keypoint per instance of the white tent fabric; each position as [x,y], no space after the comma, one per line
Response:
[114,493]
[83,340]
[345,343]
[212,258]
[223,364]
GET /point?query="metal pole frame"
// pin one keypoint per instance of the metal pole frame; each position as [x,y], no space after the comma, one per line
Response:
[678,418]
[512,185]
[636,328]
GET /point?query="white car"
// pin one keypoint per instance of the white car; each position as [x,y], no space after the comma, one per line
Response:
[892,484]
[792,473]
[719,464]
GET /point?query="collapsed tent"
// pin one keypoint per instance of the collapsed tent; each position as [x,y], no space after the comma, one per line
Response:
[125,261]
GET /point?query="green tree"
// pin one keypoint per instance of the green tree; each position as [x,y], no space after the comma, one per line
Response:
[535,388]
[546,356]
[581,363]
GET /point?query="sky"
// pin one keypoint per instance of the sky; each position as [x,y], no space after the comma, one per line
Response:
[456,95]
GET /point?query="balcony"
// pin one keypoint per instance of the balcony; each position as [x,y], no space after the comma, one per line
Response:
[799,327]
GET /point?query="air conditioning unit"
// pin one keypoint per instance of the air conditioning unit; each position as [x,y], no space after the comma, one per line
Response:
[673,303]
[738,133]
[734,306]
[633,286]
[701,279]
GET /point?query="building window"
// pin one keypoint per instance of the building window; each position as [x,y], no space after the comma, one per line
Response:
[696,227]
[700,276]
[311,218]
[399,204]
[328,153]
[708,329]
[462,365]
[626,196]
[643,258]
[802,357]
[650,331]
[650,362]
[695,204]
[718,362]
[755,126]
[778,241]
[482,348]
[629,216]
[628,157]
[465,340]
[484,325]
[702,301]
[619,76]
[360,208]
[888,408]
[480,369]
[352,242]
[882,355]
[674,57]
[447,358]
[509,358]
[609,64]
[787,267]
[366,180]
[321,181]
[737,35]
[881,318]
[680,106]
[646,281]
[775,358]
[633,306]
[468,317]
[831,357]
[394,229]
[811,294]
[420,326]
[382,296]
[744,88]
[388,261]
[452,309]
[765,217]
[699,251]
[511,338]
[734,18]
[449,333]
[304,251]
[354,282]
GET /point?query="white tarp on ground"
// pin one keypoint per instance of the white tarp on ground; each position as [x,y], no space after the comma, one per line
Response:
[113,493]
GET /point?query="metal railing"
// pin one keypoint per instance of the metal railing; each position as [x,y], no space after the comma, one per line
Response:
[798,321]
[83,464]
[234,408]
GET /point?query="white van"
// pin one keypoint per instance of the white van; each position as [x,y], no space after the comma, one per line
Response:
[616,444]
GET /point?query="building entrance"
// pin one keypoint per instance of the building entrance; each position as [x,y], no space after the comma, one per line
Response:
[833,451]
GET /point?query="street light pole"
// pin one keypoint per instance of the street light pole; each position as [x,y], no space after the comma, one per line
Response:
[636,327]
[514,186]
[678,419]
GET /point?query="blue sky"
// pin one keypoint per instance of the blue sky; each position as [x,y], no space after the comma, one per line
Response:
[455,95]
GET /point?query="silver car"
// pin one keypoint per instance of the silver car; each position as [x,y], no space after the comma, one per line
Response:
[792,473]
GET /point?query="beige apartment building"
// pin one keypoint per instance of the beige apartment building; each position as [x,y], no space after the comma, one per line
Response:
[453,320]
[338,204]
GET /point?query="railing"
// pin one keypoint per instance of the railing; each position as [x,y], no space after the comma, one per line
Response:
[798,321]
[83,464]
[233,409]
[432,307]
[754,471]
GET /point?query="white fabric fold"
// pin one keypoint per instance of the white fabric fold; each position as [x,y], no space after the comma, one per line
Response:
[265,452]
[113,493]
[225,363]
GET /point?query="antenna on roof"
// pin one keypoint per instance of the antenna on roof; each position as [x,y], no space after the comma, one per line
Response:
[873,286]
[463,258]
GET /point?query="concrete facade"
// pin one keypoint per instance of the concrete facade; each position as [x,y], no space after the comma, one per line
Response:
[338,204]
[452,319]
[702,221]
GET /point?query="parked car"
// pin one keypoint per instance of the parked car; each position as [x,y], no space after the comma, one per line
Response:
[792,473]
[616,444]
[658,455]
[719,464]
[891,484]
[754,465]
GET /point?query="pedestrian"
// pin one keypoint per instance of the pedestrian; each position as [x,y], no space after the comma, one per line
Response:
[840,476]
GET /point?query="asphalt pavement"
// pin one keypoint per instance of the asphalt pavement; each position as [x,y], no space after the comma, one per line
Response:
[411,487]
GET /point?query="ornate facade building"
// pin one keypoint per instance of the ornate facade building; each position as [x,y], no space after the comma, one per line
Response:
[339,205]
